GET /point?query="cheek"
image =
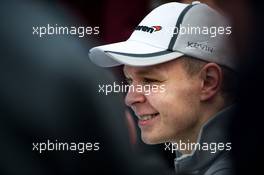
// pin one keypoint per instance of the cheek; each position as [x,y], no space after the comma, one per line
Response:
[156,100]
[177,108]
[183,106]
[178,104]
[173,96]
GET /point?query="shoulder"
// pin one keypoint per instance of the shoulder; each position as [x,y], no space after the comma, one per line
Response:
[221,166]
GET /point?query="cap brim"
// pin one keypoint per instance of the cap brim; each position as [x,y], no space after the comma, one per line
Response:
[131,53]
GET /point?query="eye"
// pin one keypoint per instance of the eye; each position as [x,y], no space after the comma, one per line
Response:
[150,80]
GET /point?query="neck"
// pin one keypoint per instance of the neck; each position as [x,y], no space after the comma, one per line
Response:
[207,110]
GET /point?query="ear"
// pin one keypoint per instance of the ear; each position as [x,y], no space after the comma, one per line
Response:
[211,76]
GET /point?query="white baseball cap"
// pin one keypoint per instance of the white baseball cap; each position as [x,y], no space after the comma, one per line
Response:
[169,32]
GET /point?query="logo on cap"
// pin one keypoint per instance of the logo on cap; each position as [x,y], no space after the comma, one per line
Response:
[201,46]
[148,29]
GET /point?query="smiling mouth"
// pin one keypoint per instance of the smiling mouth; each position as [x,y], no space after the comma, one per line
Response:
[148,117]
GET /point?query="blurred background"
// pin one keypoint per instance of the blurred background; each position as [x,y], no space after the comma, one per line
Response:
[49,89]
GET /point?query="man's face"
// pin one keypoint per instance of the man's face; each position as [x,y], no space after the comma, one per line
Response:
[164,116]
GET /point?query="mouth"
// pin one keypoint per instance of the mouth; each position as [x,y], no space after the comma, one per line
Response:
[147,119]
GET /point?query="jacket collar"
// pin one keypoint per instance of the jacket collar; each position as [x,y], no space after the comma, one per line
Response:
[213,131]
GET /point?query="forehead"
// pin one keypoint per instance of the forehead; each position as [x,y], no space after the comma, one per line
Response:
[146,70]
[160,69]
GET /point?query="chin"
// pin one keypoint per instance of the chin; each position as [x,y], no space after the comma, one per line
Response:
[151,140]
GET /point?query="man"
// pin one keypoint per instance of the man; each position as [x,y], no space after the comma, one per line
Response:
[182,49]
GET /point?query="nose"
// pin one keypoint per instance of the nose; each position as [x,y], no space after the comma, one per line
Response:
[133,97]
